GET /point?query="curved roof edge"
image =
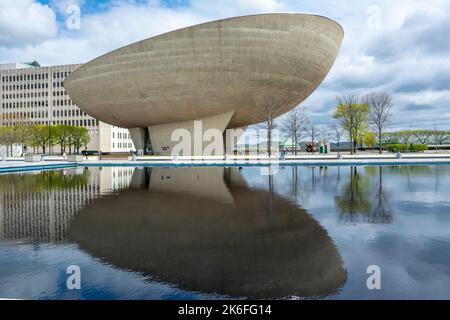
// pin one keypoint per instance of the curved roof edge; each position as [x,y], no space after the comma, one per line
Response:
[207,22]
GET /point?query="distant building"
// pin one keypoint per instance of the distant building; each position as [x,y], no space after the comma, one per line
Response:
[290,146]
[33,94]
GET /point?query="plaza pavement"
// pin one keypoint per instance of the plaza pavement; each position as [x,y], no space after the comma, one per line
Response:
[18,164]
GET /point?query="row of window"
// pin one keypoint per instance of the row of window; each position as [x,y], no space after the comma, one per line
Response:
[121,135]
[31,86]
[69,113]
[22,95]
[60,103]
[38,94]
[35,76]
[25,77]
[28,86]
[43,113]
[25,115]
[31,104]
[122,145]
[21,105]
[78,122]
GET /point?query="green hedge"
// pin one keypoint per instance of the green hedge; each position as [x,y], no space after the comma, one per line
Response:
[402,147]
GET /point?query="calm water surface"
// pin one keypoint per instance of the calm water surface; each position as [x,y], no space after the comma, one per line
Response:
[206,233]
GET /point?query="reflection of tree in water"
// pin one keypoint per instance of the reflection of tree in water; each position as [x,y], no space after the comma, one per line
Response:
[359,199]
[355,197]
[381,211]
[37,207]
[43,181]
[306,181]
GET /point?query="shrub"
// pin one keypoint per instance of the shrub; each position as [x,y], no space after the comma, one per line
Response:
[403,147]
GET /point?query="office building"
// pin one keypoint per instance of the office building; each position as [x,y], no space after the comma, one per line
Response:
[33,94]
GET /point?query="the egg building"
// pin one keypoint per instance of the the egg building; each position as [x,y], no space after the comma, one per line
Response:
[219,72]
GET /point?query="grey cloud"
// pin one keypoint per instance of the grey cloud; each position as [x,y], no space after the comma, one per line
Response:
[420,34]
[437,82]
[417,107]
[349,81]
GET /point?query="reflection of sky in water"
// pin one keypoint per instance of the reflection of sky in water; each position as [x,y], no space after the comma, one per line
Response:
[412,250]
[39,272]
[410,242]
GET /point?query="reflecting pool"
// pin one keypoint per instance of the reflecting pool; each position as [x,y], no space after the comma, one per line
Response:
[219,233]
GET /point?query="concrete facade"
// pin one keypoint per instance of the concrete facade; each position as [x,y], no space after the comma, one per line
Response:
[212,69]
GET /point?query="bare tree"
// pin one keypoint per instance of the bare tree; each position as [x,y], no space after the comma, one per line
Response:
[324,133]
[294,126]
[337,132]
[313,132]
[380,106]
[440,136]
[423,136]
[267,107]
[352,116]
[406,135]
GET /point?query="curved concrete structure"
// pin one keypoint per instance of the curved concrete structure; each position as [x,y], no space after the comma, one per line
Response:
[222,69]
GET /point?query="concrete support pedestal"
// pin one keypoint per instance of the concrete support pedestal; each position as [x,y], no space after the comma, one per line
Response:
[202,137]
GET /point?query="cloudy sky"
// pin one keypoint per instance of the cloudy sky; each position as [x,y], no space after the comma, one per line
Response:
[401,47]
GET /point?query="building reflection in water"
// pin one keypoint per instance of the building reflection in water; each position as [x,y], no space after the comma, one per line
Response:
[202,229]
[205,230]
[37,207]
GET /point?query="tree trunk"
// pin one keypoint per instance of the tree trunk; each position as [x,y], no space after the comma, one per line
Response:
[351,142]
[295,144]
[380,144]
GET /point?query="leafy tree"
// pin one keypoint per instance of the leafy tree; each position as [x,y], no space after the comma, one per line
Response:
[79,137]
[352,116]
[23,135]
[8,138]
[61,135]
[370,139]
[424,137]
[42,136]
